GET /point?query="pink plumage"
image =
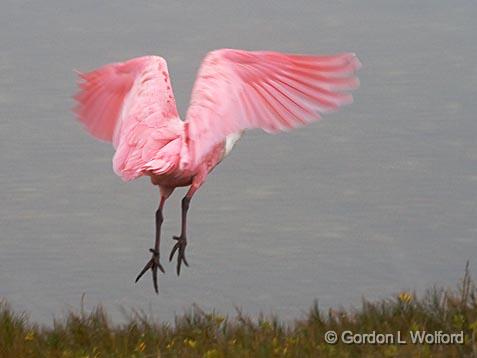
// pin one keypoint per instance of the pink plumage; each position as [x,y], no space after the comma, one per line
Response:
[132,105]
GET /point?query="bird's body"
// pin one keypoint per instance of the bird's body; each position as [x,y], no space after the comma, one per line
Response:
[132,105]
[179,177]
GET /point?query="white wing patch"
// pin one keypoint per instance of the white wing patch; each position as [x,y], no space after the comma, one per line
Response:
[230,141]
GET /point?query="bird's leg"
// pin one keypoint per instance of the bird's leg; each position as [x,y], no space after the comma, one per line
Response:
[182,239]
[181,243]
[154,264]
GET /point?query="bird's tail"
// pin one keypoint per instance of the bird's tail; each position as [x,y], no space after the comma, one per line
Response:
[101,97]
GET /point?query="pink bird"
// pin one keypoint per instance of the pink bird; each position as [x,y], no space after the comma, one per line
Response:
[132,104]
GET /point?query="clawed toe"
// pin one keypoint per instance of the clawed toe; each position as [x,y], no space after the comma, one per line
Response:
[153,264]
[180,248]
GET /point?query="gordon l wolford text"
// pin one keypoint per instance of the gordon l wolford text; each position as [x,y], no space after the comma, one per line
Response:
[416,337]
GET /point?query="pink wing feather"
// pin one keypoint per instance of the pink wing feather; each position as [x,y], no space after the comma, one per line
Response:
[237,90]
[132,105]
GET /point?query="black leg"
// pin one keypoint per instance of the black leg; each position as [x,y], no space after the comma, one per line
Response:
[154,264]
[181,240]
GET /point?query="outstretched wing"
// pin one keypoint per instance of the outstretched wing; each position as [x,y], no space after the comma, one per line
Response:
[132,105]
[237,90]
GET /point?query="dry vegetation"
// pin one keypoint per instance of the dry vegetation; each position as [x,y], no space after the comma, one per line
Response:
[202,334]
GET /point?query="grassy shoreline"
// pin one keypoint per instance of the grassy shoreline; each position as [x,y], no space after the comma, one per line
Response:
[208,334]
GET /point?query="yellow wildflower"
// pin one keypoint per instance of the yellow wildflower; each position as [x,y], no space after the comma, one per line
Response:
[140,347]
[190,342]
[405,297]
[30,336]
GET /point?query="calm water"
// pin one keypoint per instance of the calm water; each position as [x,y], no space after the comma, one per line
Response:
[378,198]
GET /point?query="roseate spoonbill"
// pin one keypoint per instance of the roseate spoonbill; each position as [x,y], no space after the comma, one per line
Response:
[132,105]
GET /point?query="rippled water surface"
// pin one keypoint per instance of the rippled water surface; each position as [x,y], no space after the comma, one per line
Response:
[378,198]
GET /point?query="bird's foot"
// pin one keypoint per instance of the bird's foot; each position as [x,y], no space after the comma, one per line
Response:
[180,248]
[153,264]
